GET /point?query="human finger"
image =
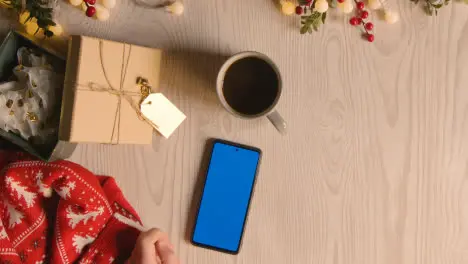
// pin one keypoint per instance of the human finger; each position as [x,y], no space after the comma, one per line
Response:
[166,253]
[152,236]
[145,248]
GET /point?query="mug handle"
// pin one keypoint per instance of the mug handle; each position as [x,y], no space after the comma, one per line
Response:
[279,123]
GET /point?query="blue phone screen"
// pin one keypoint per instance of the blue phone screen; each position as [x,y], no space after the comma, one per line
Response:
[226,196]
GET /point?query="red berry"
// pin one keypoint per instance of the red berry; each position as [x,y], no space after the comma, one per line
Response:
[299,10]
[370,37]
[364,14]
[360,5]
[91,2]
[90,11]
[359,20]
[369,26]
[341,1]
[354,21]
[309,2]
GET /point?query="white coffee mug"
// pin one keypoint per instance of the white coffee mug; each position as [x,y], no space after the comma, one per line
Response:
[249,85]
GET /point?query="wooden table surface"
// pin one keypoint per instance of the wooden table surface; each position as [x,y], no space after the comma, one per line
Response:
[374,167]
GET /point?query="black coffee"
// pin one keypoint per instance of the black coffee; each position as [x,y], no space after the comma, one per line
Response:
[250,86]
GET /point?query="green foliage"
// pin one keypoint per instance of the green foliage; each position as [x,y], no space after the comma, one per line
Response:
[431,7]
[312,22]
[37,9]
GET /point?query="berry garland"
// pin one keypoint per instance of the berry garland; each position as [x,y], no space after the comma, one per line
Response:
[100,11]
[37,16]
[359,19]
[314,12]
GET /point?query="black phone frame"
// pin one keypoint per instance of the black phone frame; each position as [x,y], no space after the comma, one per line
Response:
[248,205]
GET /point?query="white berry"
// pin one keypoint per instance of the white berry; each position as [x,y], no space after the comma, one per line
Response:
[321,6]
[374,4]
[102,13]
[346,7]
[288,8]
[109,4]
[84,7]
[176,8]
[75,2]
[391,17]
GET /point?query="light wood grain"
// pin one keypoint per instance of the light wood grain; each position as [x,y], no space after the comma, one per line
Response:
[374,168]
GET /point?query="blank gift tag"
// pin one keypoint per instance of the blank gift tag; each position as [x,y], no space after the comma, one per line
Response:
[162,113]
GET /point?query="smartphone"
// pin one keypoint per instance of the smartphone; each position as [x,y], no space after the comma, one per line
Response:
[226,196]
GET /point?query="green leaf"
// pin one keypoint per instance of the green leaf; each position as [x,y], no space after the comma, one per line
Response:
[316,14]
[50,22]
[47,15]
[315,28]
[438,6]
[304,29]
[324,17]
[429,9]
[29,5]
[41,23]
[48,33]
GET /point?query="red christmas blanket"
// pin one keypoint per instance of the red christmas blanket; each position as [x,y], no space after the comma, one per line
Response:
[60,212]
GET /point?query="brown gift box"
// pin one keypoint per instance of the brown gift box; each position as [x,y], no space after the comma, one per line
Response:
[102,94]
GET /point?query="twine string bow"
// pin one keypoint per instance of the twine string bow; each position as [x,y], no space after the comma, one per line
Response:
[120,93]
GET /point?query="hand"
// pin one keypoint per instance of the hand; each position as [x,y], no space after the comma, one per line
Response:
[153,247]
